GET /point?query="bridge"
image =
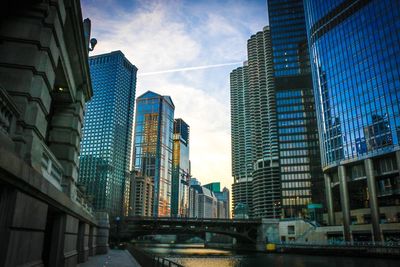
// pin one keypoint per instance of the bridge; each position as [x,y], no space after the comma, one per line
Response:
[247,232]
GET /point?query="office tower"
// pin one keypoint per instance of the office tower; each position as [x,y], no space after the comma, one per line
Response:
[180,170]
[215,186]
[264,138]
[207,203]
[107,130]
[153,143]
[242,163]
[222,197]
[355,63]
[299,157]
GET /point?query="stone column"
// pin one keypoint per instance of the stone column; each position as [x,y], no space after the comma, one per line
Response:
[22,228]
[329,200]
[373,201]
[83,242]
[345,203]
[70,255]
[64,140]
[103,231]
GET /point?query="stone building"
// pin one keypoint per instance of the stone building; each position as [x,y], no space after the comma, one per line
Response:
[44,85]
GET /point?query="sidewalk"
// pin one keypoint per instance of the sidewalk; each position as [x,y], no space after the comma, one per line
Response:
[114,258]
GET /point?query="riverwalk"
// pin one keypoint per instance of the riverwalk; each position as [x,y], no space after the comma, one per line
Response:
[114,258]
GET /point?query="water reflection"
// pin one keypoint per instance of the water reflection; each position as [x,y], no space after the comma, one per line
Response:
[198,256]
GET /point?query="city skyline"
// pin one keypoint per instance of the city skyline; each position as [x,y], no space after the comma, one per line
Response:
[205,38]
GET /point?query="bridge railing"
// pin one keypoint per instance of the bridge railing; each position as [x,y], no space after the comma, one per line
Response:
[161,262]
[189,219]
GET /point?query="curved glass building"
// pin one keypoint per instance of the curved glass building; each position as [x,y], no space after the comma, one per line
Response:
[354,49]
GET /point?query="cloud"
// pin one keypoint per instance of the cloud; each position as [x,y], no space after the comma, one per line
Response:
[162,36]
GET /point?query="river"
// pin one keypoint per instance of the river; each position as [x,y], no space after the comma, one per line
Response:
[198,256]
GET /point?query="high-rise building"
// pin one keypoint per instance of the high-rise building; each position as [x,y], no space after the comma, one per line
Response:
[107,130]
[215,186]
[266,186]
[223,198]
[299,157]
[180,170]
[153,144]
[241,131]
[354,48]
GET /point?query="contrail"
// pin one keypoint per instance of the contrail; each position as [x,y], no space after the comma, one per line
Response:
[189,68]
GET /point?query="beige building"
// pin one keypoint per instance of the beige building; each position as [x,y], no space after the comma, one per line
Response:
[143,196]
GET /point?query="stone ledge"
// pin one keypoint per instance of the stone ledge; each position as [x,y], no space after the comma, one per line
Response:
[19,174]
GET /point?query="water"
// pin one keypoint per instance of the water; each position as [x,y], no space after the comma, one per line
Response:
[198,256]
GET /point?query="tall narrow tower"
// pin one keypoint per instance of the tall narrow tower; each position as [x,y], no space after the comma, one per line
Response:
[300,169]
[264,138]
[153,145]
[241,131]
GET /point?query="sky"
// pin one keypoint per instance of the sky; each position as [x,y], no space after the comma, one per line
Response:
[184,49]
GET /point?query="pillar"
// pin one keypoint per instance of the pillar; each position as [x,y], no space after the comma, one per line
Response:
[398,160]
[22,228]
[329,200]
[103,230]
[373,201]
[83,242]
[345,203]
[64,140]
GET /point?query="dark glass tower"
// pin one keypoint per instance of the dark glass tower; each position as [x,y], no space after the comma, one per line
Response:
[299,157]
[107,130]
[356,68]
[180,170]
[153,146]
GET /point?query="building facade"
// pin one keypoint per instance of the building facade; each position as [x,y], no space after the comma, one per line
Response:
[106,144]
[265,182]
[241,140]
[180,170]
[44,86]
[299,157]
[354,48]
[153,145]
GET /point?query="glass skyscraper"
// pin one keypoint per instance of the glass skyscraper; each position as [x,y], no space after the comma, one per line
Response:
[354,47]
[180,170]
[107,129]
[299,157]
[153,144]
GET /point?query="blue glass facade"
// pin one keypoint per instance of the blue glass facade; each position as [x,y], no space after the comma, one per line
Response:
[356,70]
[354,49]
[153,144]
[107,129]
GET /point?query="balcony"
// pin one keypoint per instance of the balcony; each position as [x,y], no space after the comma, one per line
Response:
[51,168]
[388,192]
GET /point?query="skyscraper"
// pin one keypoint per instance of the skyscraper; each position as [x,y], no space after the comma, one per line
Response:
[356,68]
[299,157]
[153,144]
[107,131]
[242,163]
[264,136]
[180,170]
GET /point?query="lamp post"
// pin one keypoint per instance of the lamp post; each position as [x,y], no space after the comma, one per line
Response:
[117,221]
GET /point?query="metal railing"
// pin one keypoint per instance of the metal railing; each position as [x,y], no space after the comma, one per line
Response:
[336,246]
[161,262]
